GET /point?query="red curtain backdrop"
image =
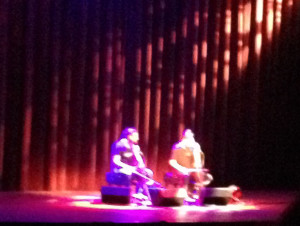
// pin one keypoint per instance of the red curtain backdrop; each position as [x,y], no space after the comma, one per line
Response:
[73,74]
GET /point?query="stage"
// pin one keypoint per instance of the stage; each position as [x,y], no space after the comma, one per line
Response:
[255,208]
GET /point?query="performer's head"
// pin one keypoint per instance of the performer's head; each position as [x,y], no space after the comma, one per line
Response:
[131,134]
[188,135]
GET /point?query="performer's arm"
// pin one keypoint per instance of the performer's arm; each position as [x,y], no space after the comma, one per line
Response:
[198,156]
[138,155]
[127,169]
[178,167]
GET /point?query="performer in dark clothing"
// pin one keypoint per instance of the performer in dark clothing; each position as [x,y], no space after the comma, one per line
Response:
[128,159]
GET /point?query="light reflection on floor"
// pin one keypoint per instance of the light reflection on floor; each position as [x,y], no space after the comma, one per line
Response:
[77,206]
[91,202]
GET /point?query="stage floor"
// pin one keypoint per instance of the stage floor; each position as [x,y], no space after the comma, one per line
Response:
[256,207]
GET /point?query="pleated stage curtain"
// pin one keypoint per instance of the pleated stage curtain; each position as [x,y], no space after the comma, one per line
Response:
[73,74]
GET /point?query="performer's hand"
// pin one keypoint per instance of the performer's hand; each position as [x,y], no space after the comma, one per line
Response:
[185,171]
[127,170]
[132,168]
[142,165]
[150,182]
[192,170]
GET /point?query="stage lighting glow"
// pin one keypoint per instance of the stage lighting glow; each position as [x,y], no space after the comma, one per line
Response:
[270,19]
[181,209]
[88,204]
[85,197]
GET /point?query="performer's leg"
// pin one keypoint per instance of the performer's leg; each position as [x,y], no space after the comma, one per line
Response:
[141,189]
[146,191]
[195,184]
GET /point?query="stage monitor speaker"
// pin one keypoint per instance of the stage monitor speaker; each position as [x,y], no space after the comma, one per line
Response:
[115,195]
[167,197]
[216,196]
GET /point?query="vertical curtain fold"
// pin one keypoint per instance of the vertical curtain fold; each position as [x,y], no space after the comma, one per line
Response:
[14,91]
[167,85]
[201,76]
[180,76]
[146,76]
[77,125]
[28,90]
[156,95]
[222,93]
[66,167]
[107,80]
[138,33]
[3,74]
[195,21]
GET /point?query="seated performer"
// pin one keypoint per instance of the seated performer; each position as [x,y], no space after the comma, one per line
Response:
[187,161]
[128,160]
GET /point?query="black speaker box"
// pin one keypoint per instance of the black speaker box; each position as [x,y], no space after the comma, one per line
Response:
[115,195]
[167,197]
[216,196]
